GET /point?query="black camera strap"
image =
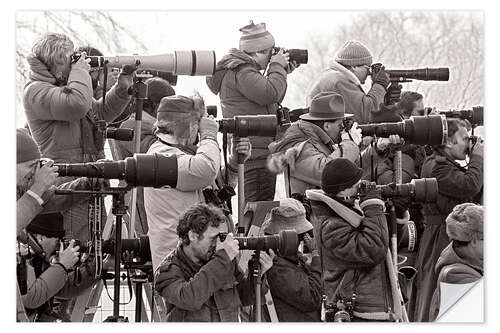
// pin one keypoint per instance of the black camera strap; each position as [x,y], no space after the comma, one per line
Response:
[129,284]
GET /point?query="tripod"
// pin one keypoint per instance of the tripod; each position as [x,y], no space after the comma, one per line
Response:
[118,209]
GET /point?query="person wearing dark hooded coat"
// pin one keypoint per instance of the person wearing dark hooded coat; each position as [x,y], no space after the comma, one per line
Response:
[243,90]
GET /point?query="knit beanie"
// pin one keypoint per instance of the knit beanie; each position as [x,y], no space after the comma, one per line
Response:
[158,88]
[339,174]
[27,149]
[255,38]
[49,225]
[465,222]
[289,215]
[353,53]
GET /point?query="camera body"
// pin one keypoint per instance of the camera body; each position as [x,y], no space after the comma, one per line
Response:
[300,56]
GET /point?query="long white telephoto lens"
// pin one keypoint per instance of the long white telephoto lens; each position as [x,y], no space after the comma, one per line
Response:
[195,63]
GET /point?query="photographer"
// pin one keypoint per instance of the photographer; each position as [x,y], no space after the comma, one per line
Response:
[157,89]
[42,274]
[180,120]
[345,75]
[294,281]
[62,113]
[353,257]
[457,185]
[245,91]
[200,280]
[317,138]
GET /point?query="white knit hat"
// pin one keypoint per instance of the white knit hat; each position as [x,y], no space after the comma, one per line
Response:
[354,53]
[255,38]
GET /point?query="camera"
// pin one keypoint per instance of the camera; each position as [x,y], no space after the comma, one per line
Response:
[423,74]
[300,56]
[472,142]
[212,110]
[179,63]
[473,116]
[286,242]
[140,247]
[120,134]
[140,170]
[286,116]
[420,130]
[243,126]
[422,190]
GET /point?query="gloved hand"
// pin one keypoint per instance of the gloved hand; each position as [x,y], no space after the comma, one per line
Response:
[380,76]
[394,92]
[230,245]
[281,58]
[208,128]
[291,66]
[125,78]
[371,192]
[384,143]
[82,62]
[354,134]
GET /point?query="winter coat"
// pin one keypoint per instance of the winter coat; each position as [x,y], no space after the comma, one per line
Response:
[27,208]
[202,293]
[306,148]
[165,205]
[458,264]
[126,148]
[61,118]
[243,90]
[353,259]
[383,165]
[336,78]
[456,185]
[296,288]
[53,281]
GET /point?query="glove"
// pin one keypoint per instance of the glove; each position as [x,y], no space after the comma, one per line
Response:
[208,128]
[394,92]
[384,143]
[372,193]
[354,134]
[380,76]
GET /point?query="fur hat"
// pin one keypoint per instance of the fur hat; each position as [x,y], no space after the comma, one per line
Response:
[179,107]
[354,53]
[465,222]
[27,149]
[339,174]
[289,215]
[255,38]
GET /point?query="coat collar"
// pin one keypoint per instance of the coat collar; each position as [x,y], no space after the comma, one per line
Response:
[339,68]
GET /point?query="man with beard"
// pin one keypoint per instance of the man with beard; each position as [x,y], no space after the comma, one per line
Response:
[200,280]
[456,185]
[243,90]
[310,143]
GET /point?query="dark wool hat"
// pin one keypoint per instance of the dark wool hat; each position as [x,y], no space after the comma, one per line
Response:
[339,174]
[158,88]
[49,225]
[27,149]
[465,222]
[354,53]
[289,215]
[386,114]
[326,106]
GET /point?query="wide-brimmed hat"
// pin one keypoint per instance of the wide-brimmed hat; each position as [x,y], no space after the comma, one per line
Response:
[289,215]
[326,106]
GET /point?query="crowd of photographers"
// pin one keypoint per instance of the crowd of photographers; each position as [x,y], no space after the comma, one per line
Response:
[324,253]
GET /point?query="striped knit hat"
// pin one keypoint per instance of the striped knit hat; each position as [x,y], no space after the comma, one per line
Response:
[354,53]
[255,38]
